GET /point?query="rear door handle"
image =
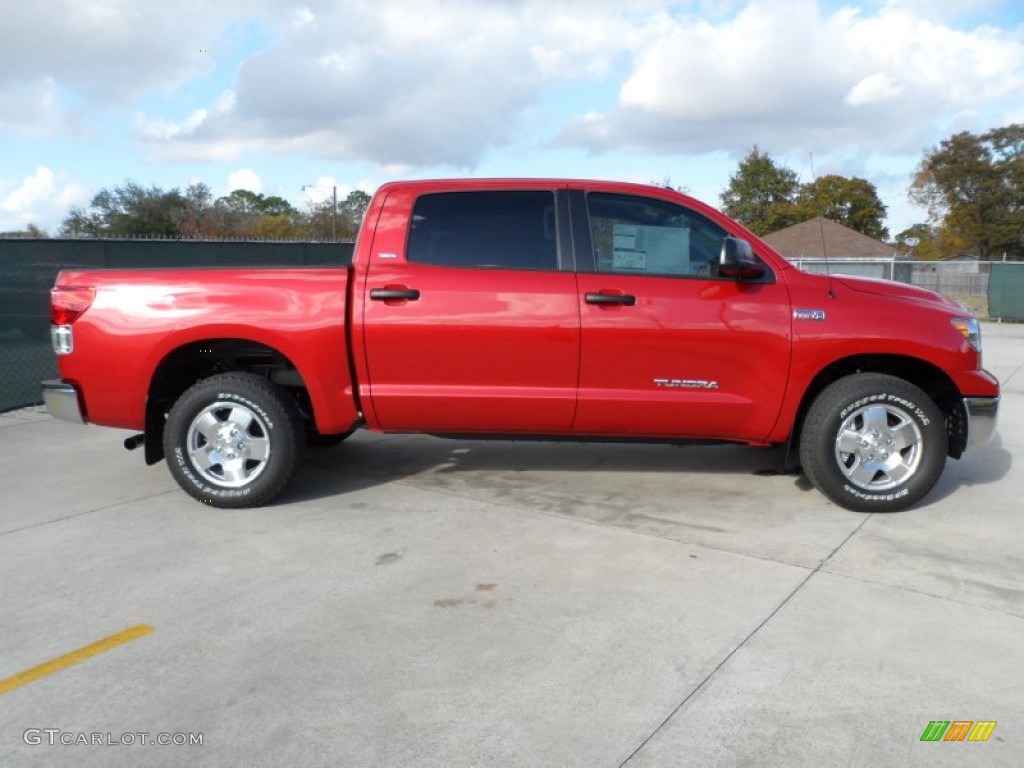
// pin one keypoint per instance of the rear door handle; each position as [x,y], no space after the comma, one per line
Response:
[394,294]
[611,298]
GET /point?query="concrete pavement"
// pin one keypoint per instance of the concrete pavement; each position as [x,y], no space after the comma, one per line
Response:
[424,602]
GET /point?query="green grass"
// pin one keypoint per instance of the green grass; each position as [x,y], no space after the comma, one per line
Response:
[977,304]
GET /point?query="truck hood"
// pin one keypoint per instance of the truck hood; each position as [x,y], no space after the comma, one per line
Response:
[896,290]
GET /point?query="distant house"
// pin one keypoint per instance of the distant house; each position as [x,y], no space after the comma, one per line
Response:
[805,241]
[849,252]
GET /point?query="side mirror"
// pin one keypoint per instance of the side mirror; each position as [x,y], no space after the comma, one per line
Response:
[738,261]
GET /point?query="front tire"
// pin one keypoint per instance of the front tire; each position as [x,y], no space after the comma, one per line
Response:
[873,443]
[233,440]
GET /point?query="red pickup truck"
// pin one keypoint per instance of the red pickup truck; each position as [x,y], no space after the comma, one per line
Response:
[535,309]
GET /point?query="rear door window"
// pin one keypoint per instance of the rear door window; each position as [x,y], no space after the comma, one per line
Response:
[512,229]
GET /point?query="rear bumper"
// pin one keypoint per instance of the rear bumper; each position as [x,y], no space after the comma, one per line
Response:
[981,419]
[63,401]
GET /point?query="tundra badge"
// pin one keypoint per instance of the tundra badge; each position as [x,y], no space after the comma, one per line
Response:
[685,384]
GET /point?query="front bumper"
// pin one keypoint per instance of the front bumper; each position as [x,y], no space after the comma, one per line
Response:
[63,401]
[981,419]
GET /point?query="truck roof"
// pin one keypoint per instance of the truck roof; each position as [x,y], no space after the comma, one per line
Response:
[455,184]
[593,185]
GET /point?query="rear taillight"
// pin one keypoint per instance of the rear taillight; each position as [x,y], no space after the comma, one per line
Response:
[68,303]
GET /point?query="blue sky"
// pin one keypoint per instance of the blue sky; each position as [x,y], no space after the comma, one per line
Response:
[273,96]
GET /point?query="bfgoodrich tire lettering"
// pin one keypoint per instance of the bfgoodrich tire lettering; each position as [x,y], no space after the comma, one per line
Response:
[873,443]
[233,440]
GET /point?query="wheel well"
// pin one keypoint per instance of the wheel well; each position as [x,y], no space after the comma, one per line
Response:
[929,378]
[199,360]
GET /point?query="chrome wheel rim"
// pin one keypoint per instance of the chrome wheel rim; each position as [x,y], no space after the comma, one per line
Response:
[228,444]
[878,447]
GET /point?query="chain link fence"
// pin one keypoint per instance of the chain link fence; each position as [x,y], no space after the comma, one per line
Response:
[28,269]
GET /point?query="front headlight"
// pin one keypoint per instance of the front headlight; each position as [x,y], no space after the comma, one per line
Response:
[969,329]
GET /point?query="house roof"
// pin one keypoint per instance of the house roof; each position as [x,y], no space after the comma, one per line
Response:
[804,240]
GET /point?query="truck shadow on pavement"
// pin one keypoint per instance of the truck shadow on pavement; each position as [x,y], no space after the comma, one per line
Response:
[366,461]
[369,460]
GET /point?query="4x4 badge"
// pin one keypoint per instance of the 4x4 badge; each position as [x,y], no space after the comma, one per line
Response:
[808,314]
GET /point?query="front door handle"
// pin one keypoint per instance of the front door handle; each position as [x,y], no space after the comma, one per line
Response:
[394,294]
[624,299]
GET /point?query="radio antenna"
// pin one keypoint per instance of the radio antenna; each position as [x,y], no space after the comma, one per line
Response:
[821,225]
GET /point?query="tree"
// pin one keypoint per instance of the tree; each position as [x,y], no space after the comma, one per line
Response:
[30,230]
[761,195]
[247,214]
[280,226]
[767,198]
[196,217]
[854,203]
[127,211]
[343,224]
[920,241]
[352,210]
[973,189]
[131,210]
[666,182]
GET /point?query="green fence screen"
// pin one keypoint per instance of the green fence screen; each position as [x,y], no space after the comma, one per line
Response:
[1006,291]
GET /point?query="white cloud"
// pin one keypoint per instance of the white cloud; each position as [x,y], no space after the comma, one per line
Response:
[321,190]
[161,129]
[303,17]
[440,86]
[1015,115]
[946,11]
[29,107]
[104,53]
[245,178]
[42,198]
[421,88]
[457,79]
[787,76]
[873,88]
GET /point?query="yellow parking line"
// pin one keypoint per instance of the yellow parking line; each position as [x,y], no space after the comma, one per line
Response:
[9,684]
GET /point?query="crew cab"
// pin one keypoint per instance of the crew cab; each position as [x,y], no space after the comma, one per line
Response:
[528,308]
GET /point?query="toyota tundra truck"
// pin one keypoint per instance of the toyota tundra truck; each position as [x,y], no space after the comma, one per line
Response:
[530,309]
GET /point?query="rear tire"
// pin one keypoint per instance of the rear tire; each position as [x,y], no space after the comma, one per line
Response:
[233,440]
[873,443]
